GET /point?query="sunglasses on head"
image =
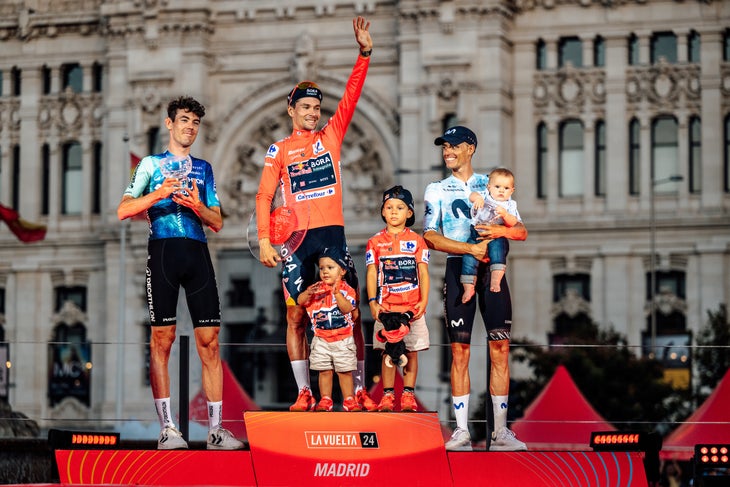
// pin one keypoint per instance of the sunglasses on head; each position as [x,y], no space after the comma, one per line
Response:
[303,85]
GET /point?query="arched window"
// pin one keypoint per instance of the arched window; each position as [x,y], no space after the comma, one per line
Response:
[97,76]
[664,152]
[664,45]
[571,310]
[727,154]
[72,179]
[541,156]
[693,47]
[695,155]
[634,156]
[72,76]
[571,158]
[540,55]
[69,364]
[45,178]
[633,50]
[570,50]
[96,180]
[600,159]
[599,52]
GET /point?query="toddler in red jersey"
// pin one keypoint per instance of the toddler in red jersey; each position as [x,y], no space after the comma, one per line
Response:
[329,303]
[398,282]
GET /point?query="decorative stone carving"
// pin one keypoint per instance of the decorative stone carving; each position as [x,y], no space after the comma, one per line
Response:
[571,304]
[70,313]
[664,86]
[568,90]
[305,61]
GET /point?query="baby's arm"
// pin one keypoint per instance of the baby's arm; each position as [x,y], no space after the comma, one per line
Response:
[477,201]
[509,219]
[306,296]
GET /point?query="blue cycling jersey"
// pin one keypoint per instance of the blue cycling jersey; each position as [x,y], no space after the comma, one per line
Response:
[167,218]
[448,210]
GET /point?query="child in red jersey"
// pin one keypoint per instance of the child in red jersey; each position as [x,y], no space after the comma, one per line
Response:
[329,303]
[398,282]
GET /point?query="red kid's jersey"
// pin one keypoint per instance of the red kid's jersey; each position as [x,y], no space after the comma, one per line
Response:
[306,165]
[328,322]
[397,258]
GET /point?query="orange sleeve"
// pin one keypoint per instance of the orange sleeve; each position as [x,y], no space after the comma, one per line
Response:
[346,107]
[268,185]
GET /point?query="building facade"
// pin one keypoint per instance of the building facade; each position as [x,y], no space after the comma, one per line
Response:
[613,115]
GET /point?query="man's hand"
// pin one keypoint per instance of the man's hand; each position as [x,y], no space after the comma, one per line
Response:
[490,232]
[479,250]
[362,34]
[268,254]
[189,197]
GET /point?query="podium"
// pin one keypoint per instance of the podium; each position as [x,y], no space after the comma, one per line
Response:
[347,448]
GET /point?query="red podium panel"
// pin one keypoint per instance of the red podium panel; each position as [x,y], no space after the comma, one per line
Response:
[339,448]
[548,469]
[155,467]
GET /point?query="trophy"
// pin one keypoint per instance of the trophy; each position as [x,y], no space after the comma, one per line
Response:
[178,167]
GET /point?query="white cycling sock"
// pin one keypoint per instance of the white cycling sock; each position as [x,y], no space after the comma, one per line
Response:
[164,413]
[215,415]
[301,373]
[461,411]
[499,408]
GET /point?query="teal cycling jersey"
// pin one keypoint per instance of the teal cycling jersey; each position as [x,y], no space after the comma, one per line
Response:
[448,210]
[168,219]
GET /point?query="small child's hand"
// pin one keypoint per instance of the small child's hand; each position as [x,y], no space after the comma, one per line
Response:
[375,309]
[501,211]
[419,309]
[477,201]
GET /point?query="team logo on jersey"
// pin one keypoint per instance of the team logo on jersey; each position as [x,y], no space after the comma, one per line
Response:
[408,246]
[317,147]
[425,255]
[273,150]
[369,257]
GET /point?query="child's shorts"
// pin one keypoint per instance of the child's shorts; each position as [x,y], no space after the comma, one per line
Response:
[415,341]
[340,355]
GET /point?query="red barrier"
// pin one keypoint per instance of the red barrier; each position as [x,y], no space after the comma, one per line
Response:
[155,467]
[548,469]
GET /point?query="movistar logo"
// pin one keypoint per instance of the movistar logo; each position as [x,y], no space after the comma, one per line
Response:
[455,324]
[460,405]
[503,405]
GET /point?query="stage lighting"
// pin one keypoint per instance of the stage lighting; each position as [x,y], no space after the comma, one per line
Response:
[638,441]
[624,441]
[82,440]
[711,465]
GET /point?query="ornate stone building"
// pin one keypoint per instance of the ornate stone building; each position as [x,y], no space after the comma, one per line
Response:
[598,106]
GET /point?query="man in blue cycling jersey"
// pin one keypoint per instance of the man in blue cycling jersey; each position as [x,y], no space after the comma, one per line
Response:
[178,256]
[446,227]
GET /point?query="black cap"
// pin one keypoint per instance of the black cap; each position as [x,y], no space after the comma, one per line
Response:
[405,196]
[456,135]
[335,254]
[304,89]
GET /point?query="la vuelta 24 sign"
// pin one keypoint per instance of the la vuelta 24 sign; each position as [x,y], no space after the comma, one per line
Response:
[346,448]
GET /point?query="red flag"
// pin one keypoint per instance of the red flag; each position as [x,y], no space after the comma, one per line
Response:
[134,160]
[25,231]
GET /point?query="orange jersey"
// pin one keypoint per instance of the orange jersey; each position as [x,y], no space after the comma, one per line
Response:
[397,258]
[306,166]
